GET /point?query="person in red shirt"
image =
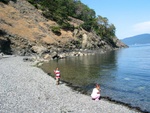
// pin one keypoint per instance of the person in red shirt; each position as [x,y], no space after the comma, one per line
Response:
[57,76]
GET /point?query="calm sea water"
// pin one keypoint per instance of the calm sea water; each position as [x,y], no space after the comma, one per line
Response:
[124,75]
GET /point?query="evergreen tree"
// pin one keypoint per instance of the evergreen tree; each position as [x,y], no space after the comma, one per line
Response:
[60,10]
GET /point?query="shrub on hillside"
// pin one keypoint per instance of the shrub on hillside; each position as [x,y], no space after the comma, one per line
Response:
[56,30]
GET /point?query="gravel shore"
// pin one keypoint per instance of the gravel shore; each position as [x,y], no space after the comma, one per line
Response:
[25,88]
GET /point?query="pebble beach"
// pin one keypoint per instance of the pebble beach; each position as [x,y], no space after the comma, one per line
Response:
[25,88]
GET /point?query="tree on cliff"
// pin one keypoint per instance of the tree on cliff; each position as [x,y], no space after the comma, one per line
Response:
[60,10]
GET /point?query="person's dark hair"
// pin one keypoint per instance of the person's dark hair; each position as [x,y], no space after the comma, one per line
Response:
[97,85]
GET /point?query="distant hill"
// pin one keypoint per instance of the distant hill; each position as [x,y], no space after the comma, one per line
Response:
[138,39]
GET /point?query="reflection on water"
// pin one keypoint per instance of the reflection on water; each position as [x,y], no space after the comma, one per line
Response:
[83,70]
[123,74]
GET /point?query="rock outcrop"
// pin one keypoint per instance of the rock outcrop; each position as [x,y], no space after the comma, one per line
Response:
[24,31]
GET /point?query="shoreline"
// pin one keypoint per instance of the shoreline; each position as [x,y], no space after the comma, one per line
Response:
[26,88]
[81,90]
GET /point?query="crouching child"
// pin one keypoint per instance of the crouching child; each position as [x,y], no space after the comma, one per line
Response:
[96,93]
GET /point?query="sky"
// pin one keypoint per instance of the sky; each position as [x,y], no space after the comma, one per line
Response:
[130,17]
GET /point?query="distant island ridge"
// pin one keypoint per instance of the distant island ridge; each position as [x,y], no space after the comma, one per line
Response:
[138,39]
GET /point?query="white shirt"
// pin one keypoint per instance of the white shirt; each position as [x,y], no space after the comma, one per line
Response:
[94,93]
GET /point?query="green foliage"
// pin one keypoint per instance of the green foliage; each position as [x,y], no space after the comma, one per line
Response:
[67,26]
[60,10]
[56,30]
[103,28]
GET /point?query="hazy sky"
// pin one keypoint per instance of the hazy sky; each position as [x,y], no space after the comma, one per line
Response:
[130,17]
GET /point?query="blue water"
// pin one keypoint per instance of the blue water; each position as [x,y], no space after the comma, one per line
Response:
[124,75]
[129,79]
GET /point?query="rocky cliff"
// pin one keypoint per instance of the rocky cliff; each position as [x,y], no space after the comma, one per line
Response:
[24,31]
